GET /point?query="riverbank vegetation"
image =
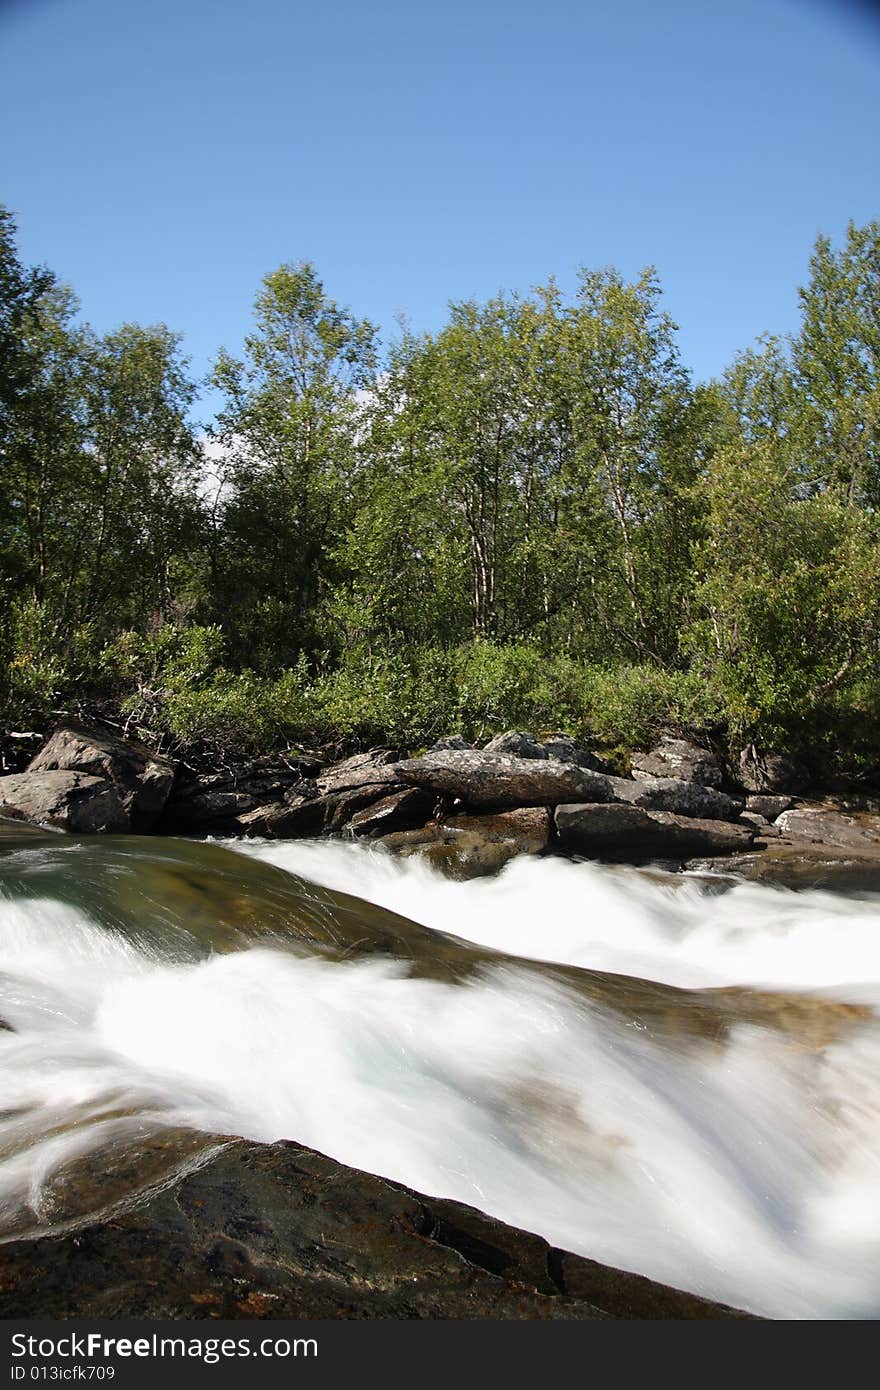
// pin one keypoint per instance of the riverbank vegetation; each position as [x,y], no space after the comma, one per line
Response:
[531,517]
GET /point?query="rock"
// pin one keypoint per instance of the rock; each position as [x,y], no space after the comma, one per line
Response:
[761,824]
[64,799]
[517,744]
[402,810]
[466,847]
[631,834]
[771,772]
[568,750]
[320,815]
[221,801]
[141,778]
[493,780]
[364,769]
[677,757]
[280,1231]
[769,806]
[450,741]
[672,794]
[857,833]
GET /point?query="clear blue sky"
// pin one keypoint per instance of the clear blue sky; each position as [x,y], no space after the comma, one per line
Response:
[163,156]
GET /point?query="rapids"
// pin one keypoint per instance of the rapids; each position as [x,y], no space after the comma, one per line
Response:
[673,1075]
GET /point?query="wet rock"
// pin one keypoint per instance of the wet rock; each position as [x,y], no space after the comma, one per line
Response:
[768,806]
[517,744]
[626,833]
[65,800]
[466,847]
[493,780]
[672,794]
[766,771]
[677,757]
[141,779]
[279,1231]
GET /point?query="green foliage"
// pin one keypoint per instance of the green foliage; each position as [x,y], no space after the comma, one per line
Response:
[530,517]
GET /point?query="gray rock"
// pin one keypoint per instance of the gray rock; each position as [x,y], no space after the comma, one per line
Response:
[320,815]
[402,810]
[364,769]
[450,741]
[769,806]
[819,826]
[761,824]
[142,779]
[492,780]
[677,757]
[626,833]
[568,750]
[66,800]
[517,744]
[672,794]
[766,771]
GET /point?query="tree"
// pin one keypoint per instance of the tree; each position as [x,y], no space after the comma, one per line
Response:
[289,431]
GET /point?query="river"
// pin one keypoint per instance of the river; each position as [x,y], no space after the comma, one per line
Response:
[673,1075]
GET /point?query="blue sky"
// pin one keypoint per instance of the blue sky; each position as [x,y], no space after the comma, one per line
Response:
[163,156]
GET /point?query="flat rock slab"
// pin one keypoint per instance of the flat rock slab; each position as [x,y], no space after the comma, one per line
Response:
[625,833]
[493,780]
[73,801]
[674,794]
[859,833]
[141,778]
[364,769]
[279,1231]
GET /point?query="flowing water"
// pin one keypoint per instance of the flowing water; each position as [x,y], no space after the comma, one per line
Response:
[669,1075]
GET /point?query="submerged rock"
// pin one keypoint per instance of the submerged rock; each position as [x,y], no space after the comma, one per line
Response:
[140,778]
[280,1231]
[468,846]
[64,800]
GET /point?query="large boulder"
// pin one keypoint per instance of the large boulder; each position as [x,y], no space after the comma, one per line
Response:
[672,794]
[492,780]
[469,846]
[766,771]
[626,833]
[280,1231]
[678,757]
[141,779]
[64,799]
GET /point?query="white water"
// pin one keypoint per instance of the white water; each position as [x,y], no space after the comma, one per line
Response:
[749,1172]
